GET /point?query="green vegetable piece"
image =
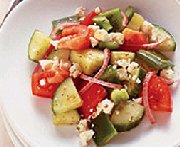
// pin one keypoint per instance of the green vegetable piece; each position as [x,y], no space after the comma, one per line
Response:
[66,118]
[115,18]
[38,45]
[154,59]
[129,12]
[133,88]
[127,115]
[110,45]
[103,22]
[119,55]
[110,75]
[104,129]
[118,95]
[136,22]
[61,54]
[169,44]
[66,98]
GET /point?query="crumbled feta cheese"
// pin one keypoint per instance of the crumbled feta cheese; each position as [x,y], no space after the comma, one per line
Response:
[81,19]
[138,81]
[42,82]
[80,12]
[132,66]
[167,73]
[147,28]
[94,42]
[123,75]
[83,125]
[44,63]
[102,35]
[94,27]
[138,100]
[134,77]
[75,70]
[97,10]
[55,43]
[85,137]
[117,37]
[55,62]
[123,63]
[107,106]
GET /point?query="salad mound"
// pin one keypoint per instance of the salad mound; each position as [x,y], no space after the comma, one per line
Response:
[103,71]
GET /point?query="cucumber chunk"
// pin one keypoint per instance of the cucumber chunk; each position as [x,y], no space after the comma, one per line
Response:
[110,75]
[61,54]
[118,95]
[133,88]
[66,118]
[169,44]
[119,55]
[103,22]
[104,129]
[136,22]
[90,60]
[66,97]
[153,59]
[129,12]
[127,115]
[38,45]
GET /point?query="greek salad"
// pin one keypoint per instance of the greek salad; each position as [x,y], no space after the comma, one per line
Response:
[104,71]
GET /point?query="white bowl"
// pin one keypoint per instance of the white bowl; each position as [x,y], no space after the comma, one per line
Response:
[30,117]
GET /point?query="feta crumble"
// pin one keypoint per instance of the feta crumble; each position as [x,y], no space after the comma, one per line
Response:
[94,27]
[102,35]
[147,28]
[80,12]
[75,70]
[82,125]
[55,43]
[94,42]
[123,63]
[97,10]
[85,137]
[42,82]
[167,73]
[132,66]
[123,75]
[117,37]
[44,63]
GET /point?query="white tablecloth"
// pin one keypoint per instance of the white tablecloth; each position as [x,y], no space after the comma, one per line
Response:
[5,141]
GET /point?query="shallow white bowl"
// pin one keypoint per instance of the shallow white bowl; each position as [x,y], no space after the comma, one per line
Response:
[30,117]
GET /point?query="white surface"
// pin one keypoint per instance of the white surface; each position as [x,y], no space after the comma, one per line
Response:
[30,116]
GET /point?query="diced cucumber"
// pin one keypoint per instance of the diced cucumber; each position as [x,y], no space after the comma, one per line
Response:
[118,95]
[110,45]
[129,12]
[61,54]
[136,22]
[115,18]
[153,59]
[133,88]
[127,115]
[110,75]
[104,129]
[70,19]
[66,118]
[119,55]
[38,45]
[103,22]
[66,97]
[90,60]
[169,44]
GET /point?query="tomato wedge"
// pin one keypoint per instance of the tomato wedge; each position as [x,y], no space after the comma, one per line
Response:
[76,37]
[41,87]
[159,95]
[88,20]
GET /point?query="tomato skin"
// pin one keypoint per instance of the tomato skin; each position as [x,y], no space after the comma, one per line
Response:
[95,94]
[76,37]
[159,95]
[88,20]
[134,37]
[45,91]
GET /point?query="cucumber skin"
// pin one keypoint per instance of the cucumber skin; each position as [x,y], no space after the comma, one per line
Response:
[122,127]
[110,45]
[172,47]
[129,12]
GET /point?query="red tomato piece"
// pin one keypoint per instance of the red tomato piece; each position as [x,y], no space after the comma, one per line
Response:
[159,95]
[76,37]
[41,87]
[95,94]
[88,20]
[134,37]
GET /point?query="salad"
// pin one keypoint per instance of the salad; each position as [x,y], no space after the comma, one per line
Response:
[104,71]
